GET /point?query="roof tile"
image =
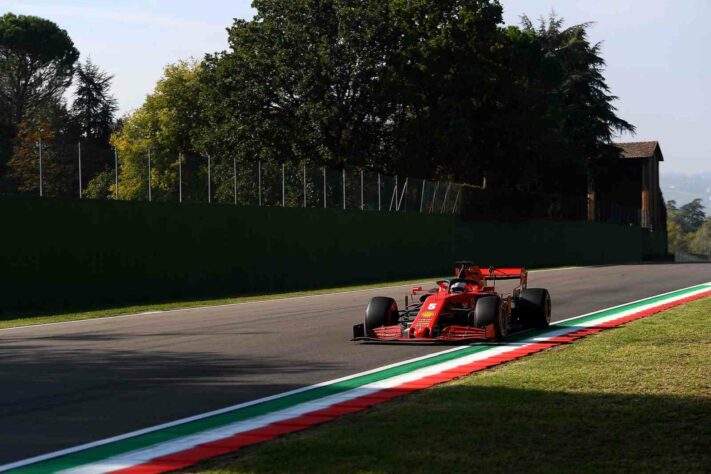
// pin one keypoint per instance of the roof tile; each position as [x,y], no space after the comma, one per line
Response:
[639,149]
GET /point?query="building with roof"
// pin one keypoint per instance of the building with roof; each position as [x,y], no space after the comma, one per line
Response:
[631,185]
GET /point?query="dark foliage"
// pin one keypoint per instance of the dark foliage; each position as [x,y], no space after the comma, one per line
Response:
[424,88]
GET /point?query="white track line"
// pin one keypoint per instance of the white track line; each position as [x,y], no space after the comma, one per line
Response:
[378,385]
[271,300]
[220,411]
[144,455]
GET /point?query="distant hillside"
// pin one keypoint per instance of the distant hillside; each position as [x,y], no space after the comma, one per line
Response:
[684,188]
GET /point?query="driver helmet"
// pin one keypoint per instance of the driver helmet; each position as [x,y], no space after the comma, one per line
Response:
[459,287]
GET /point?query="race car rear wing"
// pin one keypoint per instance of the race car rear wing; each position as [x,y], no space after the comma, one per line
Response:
[466,269]
[512,273]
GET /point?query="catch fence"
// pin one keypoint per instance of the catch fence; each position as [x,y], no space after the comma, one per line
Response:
[305,184]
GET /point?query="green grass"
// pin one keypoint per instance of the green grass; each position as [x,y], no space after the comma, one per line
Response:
[632,399]
[11,319]
[27,318]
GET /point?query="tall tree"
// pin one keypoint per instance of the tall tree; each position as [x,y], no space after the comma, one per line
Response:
[590,120]
[301,81]
[446,68]
[691,216]
[165,126]
[94,106]
[386,84]
[36,64]
[59,165]
[93,114]
[701,239]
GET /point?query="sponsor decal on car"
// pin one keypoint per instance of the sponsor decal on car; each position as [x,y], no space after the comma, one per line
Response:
[432,306]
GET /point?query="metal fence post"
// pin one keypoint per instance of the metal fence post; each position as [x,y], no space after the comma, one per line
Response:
[379,207]
[304,185]
[456,199]
[434,196]
[40,165]
[116,194]
[79,147]
[283,187]
[446,192]
[259,182]
[344,188]
[324,187]
[402,195]
[361,190]
[209,184]
[149,175]
[422,198]
[234,179]
[393,198]
[395,190]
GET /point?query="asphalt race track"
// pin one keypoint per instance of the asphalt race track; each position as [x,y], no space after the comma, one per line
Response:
[72,383]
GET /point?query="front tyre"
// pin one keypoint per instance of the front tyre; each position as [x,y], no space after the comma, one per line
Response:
[488,310]
[381,311]
[534,307]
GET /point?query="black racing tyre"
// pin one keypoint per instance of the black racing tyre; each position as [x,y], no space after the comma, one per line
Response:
[534,307]
[381,311]
[488,311]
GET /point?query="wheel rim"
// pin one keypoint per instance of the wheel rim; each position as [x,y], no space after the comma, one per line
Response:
[503,327]
[547,308]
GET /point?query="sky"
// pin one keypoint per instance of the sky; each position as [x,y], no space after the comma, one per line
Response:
[656,52]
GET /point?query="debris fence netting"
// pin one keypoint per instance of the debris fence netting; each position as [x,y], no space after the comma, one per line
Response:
[310,185]
[307,184]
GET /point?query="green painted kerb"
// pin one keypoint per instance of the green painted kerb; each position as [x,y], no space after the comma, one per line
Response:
[143,441]
[627,307]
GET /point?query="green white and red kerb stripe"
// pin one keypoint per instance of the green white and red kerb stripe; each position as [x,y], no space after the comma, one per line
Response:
[184,442]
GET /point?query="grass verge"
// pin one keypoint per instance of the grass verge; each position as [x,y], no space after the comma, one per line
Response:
[632,399]
[28,318]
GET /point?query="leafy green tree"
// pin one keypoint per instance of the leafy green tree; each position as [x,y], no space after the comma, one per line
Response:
[423,88]
[687,227]
[677,238]
[101,186]
[700,242]
[36,64]
[93,114]
[165,126]
[691,216]
[300,81]
[584,101]
[94,107]
[446,68]
[591,120]
[377,84]
[59,165]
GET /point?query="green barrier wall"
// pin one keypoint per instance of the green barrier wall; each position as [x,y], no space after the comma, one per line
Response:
[70,253]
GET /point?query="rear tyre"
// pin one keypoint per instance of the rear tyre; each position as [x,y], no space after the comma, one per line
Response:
[534,307]
[381,311]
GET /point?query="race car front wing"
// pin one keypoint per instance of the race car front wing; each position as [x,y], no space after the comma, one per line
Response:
[398,333]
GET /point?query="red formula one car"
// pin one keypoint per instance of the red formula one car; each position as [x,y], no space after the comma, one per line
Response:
[464,309]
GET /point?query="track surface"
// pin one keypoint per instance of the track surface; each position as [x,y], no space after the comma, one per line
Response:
[68,384]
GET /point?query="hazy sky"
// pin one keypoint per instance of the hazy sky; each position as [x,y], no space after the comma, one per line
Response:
[656,52]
